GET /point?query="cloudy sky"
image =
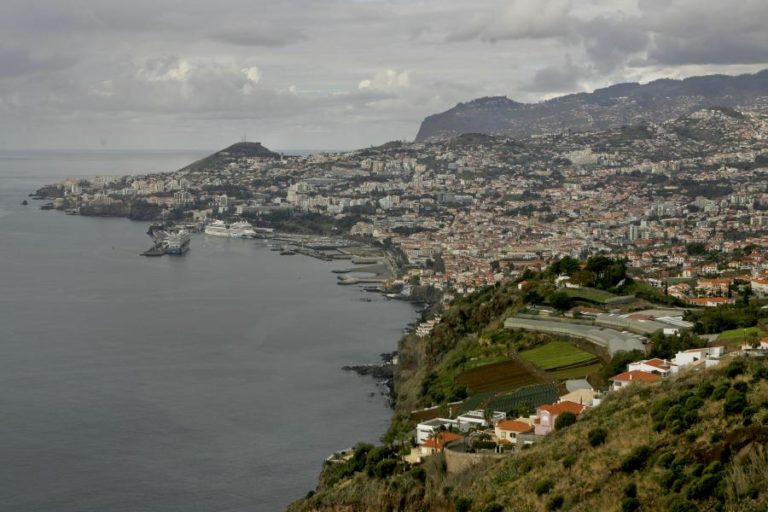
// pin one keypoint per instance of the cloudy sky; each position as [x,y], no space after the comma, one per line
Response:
[333,74]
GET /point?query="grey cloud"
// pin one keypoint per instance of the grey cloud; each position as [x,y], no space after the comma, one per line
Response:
[609,43]
[17,62]
[709,49]
[336,72]
[561,78]
[274,36]
[519,19]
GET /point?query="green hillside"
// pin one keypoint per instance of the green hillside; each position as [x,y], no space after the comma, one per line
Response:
[696,442]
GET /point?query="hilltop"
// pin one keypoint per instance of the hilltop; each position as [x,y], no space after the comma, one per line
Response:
[611,107]
[234,152]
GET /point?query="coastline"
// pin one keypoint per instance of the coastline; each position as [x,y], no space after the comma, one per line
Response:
[364,258]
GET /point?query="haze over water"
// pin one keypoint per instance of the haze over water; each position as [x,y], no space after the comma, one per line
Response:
[209,382]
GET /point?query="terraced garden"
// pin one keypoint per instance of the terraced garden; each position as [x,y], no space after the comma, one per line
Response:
[563,360]
[504,376]
[590,294]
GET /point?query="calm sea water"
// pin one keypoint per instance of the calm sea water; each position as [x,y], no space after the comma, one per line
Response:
[210,382]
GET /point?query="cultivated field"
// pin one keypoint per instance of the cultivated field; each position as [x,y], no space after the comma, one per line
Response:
[505,376]
[590,294]
[557,354]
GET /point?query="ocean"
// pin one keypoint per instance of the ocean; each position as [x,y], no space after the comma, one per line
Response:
[209,382]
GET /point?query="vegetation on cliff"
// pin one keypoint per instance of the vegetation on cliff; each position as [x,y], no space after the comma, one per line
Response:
[694,442]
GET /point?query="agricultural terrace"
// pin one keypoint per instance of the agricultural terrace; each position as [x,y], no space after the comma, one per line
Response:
[557,354]
[590,294]
[505,376]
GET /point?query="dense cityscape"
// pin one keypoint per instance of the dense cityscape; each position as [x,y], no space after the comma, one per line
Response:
[680,200]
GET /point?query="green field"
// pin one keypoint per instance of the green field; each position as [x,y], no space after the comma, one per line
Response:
[739,333]
[557,355]
[590,294]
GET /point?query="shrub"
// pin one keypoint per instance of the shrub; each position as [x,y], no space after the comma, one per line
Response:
[597,436]
[419,474]
[735,368]
[741,387]
[565,420]
[705,390]
[678,504]
[555,502]
[720,390]
[636,460]
[493,507]
[630,490]
[630,505]
[665,459]
[703,487]
[543,487]
[463,504]
[760,374]
[735,402]
[385,468]
[569,461]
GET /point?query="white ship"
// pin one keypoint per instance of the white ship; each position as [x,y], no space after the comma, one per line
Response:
[241,229]
[177,242]
[217,228]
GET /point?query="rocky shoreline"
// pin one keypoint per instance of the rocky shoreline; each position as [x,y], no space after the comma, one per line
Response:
[383,373]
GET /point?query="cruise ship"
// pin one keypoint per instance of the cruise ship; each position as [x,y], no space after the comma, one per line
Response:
[239,229]
[177,242]
[217,228]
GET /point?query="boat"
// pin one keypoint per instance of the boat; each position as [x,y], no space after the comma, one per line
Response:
[241,229]
[177,242]
[217,228]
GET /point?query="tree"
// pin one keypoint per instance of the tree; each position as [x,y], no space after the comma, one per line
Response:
[565,420]
[560,301]
[696,248]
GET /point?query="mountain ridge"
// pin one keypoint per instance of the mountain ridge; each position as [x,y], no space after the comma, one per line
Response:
[604,108]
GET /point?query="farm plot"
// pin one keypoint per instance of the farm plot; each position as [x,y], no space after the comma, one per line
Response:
[505,376]
[590,294]
[558,354]
[529,396]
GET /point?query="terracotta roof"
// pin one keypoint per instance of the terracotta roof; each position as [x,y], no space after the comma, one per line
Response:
[514,426]
[440,440]
[636,376]
[658,363]
[563,407]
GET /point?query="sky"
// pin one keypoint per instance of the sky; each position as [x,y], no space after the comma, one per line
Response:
[332,74]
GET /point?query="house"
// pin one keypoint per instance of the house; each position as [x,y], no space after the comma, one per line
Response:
[760,286]
[715,286]
[477,419]
[693,355]
[623,380]
[427,429]
[437,443]
[761,345]
[710,302]
[547,415]
[508,430]
[660,367]
[581,396]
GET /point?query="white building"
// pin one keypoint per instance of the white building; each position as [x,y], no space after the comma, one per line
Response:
[427,429]
[477,419]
